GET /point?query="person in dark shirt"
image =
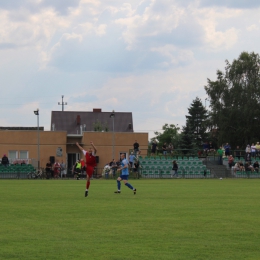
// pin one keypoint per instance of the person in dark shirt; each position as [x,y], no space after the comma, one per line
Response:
[238,152]
[256,166]
[48,169]
[136,147]
[227,148]
[154,148]
[205,148]
[5,161]
[136,168]
[164,149]
[175,168]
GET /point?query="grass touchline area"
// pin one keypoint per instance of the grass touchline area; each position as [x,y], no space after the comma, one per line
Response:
[166,219]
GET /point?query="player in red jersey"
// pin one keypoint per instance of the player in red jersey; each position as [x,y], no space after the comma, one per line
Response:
[90,163]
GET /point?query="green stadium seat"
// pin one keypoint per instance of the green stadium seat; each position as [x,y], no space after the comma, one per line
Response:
[156,172]
[145,173]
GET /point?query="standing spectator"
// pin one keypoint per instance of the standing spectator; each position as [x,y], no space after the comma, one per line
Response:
[136,147]
[170,148]
[48,169]
[164,149]
[56,169]
[113,166]
[230,161]
[257,146]
[136,168]
[63,172]
[248,149]
[238,152]
[227,148]
[131,160]
[5,161]
[107,170]
[253,150]
[248,153]
[175,168]
[220,155]
[154,148]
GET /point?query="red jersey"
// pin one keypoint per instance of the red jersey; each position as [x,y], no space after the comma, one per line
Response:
[90,159]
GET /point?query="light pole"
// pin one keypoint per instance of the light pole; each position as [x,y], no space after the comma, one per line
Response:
[112,115]
[37,113]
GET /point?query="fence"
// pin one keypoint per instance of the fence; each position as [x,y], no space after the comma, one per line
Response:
[193,153]
[150,167]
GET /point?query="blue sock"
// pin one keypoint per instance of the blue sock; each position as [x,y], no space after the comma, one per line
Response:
[118,185]
[129,186]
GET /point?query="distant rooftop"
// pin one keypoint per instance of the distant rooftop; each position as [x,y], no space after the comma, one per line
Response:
[74,122]
[41,128]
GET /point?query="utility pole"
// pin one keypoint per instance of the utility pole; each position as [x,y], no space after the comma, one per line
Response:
[113,117]
[37,113]
[62,103]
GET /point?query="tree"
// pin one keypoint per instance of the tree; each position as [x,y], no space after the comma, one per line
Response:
[197,123]
[99,127]
[170,135]
[234,100]
[187,138]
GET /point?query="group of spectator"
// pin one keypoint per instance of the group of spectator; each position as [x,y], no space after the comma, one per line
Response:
[55,170]
[251,151]
[111,167]
[244,167]
[5,161]
[166,148]
[208,147]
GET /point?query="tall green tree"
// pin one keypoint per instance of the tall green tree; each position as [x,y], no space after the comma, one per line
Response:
[235,101]
[197,123]
[187,138]
[170,134]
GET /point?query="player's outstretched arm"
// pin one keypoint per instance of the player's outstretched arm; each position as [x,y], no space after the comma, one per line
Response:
[79,146]
[95,149]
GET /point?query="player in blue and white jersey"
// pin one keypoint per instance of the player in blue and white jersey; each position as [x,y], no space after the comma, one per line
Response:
[124,175]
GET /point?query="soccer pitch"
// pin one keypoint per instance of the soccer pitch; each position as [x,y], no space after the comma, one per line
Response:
[166,219]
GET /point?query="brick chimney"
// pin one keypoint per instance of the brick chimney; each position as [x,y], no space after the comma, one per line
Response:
[78,120]
[97,110]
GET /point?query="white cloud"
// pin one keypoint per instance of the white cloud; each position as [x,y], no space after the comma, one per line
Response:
[151,57]
[173,54]
[252,27]
[151,23]
[214,38]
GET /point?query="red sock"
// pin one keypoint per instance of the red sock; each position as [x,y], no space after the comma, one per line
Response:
[88,183]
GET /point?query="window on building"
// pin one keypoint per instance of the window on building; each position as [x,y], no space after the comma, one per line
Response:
[13,155]
[23,154]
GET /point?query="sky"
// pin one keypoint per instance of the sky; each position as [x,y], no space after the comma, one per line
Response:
[148,57]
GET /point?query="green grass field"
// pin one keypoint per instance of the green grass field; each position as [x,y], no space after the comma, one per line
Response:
[166,219]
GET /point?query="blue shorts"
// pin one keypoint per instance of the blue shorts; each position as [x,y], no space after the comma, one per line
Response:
[124,177]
